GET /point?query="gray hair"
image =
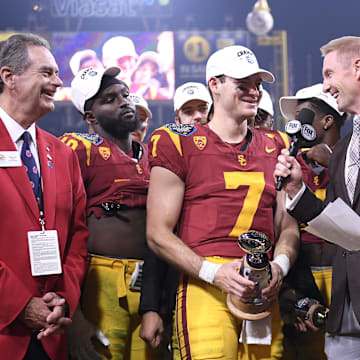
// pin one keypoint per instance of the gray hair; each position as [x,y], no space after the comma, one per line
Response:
[347,48]
[14,52]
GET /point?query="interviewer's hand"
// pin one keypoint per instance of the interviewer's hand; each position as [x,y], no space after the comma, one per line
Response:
[287,166]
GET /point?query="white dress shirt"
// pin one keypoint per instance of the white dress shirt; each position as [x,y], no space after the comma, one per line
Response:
[16,132]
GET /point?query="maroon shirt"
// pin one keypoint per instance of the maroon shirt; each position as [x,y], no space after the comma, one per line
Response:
[317,182]
[109,174]
[229,190]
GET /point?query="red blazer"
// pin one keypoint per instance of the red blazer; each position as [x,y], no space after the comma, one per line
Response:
[64,204]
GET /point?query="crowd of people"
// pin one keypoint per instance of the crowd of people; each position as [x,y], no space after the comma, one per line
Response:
[127,250]
[148,74]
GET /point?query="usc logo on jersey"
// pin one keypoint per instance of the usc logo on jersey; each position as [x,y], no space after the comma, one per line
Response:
[104,152]
[139,169]
[200,142]
[242,160]
[316,180]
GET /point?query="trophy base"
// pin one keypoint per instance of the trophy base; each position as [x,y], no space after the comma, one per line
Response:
[248,311]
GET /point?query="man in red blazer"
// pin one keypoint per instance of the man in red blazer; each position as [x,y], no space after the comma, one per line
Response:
[43,239]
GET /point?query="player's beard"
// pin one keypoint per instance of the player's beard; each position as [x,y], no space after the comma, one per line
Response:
[119,127]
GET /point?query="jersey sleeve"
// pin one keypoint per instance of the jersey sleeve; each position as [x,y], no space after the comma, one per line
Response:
[283,139]
[274,141]
[165,150]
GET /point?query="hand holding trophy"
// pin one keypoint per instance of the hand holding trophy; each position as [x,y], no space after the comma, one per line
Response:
[255,267]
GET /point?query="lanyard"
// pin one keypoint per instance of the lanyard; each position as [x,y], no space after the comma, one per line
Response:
[41,206]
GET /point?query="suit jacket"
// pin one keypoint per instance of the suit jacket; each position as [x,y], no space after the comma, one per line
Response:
[64,205]
[346,264]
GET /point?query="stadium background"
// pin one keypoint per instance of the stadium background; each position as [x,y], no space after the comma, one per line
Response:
[290,50]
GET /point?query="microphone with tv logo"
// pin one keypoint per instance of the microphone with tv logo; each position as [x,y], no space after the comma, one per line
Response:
[300,131]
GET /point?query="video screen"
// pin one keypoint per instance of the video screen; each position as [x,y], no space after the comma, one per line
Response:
[146,60]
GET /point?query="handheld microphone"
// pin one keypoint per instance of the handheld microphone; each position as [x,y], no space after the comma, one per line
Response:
[299,131]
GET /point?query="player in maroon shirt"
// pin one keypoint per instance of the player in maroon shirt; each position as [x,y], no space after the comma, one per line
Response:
[316,255]
[115,172]
[216,183]
[191,105]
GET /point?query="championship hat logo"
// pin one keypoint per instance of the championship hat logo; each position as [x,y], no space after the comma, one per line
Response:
[88,72]
[200,142]
[181,129]
[104,152]
[250,59]
[92,73]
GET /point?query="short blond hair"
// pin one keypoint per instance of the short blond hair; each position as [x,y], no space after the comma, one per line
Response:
[347,48]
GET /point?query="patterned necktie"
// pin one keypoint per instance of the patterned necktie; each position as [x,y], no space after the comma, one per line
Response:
[354,159]
[30,165]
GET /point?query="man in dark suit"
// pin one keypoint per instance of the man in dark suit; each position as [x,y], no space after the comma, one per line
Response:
[42,224]
[341,72]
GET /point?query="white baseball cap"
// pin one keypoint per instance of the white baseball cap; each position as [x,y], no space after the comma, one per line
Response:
[79,57]
[190,91]
[87,83]
[139,101]
[266,103]
[117,47]
[237,62]
[288,103]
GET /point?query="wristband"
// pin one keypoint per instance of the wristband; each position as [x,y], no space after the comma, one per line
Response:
[208,271]
[283,261]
